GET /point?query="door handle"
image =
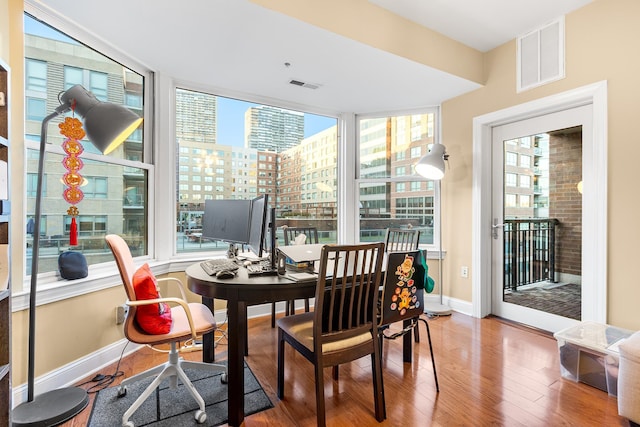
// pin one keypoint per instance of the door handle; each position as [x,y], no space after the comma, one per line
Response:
[494,228]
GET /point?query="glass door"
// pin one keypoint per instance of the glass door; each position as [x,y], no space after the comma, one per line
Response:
[537,219]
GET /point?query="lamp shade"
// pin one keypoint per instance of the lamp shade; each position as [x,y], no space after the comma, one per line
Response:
[107,125]
[431,165]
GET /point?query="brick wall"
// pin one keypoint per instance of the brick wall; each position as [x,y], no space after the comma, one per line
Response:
[565,201]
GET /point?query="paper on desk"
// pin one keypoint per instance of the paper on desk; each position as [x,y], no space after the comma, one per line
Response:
[302,275]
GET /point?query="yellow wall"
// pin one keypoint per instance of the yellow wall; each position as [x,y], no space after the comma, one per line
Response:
[4,30]
[601,44]
[66,330]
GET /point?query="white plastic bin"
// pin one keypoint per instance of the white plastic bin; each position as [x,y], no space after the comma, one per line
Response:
[589,354]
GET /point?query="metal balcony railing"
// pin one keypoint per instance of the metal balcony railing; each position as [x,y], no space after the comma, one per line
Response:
[529,251]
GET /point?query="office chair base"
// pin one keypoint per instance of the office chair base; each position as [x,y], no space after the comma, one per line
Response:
[51,408]
[173,370]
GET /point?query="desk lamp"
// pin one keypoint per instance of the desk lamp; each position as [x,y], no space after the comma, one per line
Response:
[106,125]
[431,166]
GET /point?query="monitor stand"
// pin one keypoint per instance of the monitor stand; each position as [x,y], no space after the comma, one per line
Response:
[232,252]
[273,257]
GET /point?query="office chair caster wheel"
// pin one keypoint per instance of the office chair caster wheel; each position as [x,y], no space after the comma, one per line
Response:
[122,392]
[128,424]
[224,379]
[201,416]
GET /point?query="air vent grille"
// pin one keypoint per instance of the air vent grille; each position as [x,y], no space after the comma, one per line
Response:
[541,56]
[304,84]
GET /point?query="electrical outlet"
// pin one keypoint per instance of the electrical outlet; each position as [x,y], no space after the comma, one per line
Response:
[464,271]
[121,313]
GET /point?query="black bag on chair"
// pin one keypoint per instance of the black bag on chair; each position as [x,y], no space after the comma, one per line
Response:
[72,265]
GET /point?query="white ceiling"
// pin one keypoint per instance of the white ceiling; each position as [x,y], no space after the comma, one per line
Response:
[481,24]
[237,48]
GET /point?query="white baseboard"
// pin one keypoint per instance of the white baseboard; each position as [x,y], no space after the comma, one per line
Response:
[460,306]
[75,371]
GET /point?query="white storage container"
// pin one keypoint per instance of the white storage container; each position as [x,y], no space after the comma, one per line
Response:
[589,354]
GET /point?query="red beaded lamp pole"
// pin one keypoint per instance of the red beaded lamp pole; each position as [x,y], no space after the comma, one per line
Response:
[72,129]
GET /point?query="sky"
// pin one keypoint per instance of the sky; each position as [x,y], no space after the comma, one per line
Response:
[230,121]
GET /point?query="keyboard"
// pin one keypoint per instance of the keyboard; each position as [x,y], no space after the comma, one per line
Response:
[263,267]
[213,266]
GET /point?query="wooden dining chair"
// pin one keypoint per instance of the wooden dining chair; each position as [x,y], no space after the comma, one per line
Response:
[344,324]
[290,234]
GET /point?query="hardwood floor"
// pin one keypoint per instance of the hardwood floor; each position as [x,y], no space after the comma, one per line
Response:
[491,373]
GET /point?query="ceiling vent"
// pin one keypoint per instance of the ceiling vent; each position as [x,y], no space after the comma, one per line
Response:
[541,56]
[303,84]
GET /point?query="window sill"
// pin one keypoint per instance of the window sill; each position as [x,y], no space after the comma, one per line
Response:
[52,288]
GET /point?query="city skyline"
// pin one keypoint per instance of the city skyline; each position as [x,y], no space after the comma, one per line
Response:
[230,115]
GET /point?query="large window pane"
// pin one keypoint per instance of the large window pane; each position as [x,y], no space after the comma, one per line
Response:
[390,192]
[114,193]
[233,149]
[35,76]
[121,211]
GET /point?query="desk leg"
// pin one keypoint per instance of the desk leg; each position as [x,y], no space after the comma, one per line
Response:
[208,349]
[406,342]
[237,311]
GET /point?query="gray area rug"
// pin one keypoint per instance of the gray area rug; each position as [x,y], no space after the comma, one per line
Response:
[176,408]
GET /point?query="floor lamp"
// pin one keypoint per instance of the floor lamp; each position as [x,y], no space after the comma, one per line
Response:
[106,125]
[431,166]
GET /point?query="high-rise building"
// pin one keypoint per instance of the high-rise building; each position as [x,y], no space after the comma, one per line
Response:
[272,129]
[52,66]
[307,175]
[196,116]
[244,173]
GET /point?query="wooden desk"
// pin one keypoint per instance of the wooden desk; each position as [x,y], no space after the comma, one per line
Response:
[241,292]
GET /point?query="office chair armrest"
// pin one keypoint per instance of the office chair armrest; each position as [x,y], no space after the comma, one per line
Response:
[177,281]
[178,301]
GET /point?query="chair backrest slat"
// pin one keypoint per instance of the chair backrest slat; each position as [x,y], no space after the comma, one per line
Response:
[346,296]
[290,234]
[397,239]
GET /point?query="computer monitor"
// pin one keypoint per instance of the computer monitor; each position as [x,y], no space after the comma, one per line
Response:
[271,238]
[227,220]
[258,224]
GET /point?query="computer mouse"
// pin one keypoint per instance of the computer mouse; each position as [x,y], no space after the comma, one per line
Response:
[246,263]
[225,274]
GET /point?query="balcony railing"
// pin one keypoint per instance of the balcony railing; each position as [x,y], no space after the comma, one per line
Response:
[529,251]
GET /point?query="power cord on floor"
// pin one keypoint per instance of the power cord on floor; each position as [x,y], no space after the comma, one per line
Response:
[104,381]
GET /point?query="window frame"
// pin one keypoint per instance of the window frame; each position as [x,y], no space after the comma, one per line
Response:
[251,180]
[433,248]
[50,286]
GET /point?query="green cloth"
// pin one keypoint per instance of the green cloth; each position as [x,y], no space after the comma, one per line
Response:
[422,268]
